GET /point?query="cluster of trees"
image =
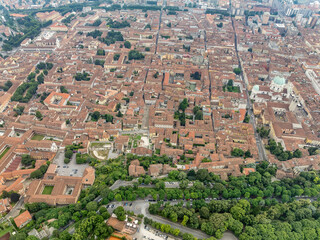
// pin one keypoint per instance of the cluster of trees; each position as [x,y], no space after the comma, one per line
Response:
[196,75]
[96,23]
[172,8]
[18,110]
[230,88]
[255,187]
[238,152]
[120,213]
[190,5]
[91,227]
[112,37]
[14,197]
[116,24]
[187,49]
[259,209]
[40,172]
[99,62]
[82,76]
[183,105]
[7,85]
[20,96]
[246,118]
[39,115]
[143,8]
[70,150]
[135,54]
[198,114]
[248,13]
[313,151]
[101,52]
[116,57]
[31,28]
[202,216]
[217,11]
[40,78]
[83,158]
[277,150]
[63,9]
[152,2]
[171,12]
[263,132]
[94,34]
[31,85]
[246,219]
[237,71]
[60,70]
[227,115]
[63,89]
[88,215]
[156,75]
[27,160]
[96,115]
[113,7]
[119,114]
[165,36]
[43,96]
[180,114]
[108,118]
[68,19]
[220,25]
[67,156]
[127,44]
[166,228]
[146,161]
[106,175]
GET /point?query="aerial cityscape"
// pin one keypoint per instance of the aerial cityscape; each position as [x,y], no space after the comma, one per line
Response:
[160,119]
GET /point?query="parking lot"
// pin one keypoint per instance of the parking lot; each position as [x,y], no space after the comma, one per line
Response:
[175,184]
[70,169]
[147,233]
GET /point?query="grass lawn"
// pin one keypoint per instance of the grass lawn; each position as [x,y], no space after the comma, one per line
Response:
[231,89]
[138,137]
[135,144]
[4,152]
[37,137]
[99,145]
[47,190]
[4,231]
[101,153]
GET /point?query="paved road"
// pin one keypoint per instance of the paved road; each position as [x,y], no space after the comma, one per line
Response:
[121,183]
[145,119]
[16,209]
[229,236]
[261,150]
[141,207]
[158,33]
[138,131]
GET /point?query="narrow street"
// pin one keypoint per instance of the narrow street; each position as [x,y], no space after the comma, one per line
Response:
[16,209]
[208,67]
[145,119]
[260,146]
[159,27]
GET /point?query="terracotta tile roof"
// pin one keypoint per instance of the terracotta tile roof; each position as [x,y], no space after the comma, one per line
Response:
[22,218]
[116,224]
